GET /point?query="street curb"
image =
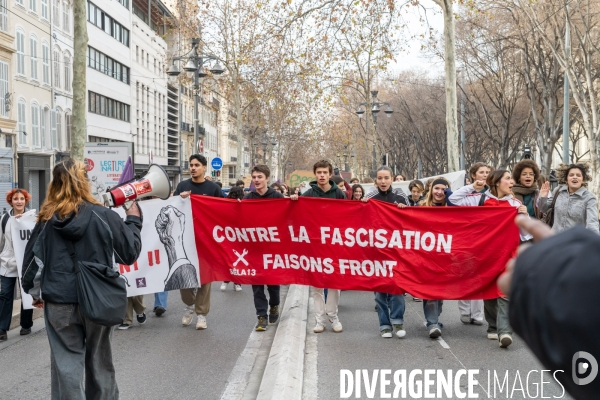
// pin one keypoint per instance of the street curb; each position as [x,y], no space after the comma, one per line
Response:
[283,375]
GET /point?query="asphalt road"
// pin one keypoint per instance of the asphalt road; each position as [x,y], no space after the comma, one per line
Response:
[158,360]
[164,360]
[359,346]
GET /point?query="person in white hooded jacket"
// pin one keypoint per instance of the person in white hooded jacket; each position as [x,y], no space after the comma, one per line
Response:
[18,199]
[499,194]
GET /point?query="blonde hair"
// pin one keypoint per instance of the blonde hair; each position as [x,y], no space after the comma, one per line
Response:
[67,191]
[428,200]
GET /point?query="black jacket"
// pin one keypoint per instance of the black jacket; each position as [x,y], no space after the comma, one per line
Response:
[269,194]
[391,196]
[99,235]
[334,192]
[554,303]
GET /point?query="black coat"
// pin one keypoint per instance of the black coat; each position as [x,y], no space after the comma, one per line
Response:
[98,234]
[554,303]
[269,194]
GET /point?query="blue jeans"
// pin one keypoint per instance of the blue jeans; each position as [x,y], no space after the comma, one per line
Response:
[432,310]
[160,299]
[390,310]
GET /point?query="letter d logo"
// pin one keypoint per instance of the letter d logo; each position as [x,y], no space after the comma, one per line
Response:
[581,368]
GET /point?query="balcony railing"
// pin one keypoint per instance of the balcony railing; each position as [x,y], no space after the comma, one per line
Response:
[186,127]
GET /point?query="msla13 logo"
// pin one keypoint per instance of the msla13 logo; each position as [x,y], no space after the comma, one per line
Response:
[585,368]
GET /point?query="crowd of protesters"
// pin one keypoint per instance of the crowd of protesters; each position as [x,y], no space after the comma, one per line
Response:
[70,207]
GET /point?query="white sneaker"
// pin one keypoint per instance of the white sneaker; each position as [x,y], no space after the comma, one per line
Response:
[399,328]
[386,333]
[224,286]
[505,340]
[492,336]
[336,324]
[319,327]
[238,288]
[201,323]
[188,316]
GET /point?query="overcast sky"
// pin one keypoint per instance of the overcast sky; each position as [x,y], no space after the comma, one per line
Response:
[414,57]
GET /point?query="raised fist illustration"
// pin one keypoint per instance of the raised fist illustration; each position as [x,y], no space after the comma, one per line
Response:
[170,226]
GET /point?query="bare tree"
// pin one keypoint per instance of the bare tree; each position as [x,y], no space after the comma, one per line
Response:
[581,63]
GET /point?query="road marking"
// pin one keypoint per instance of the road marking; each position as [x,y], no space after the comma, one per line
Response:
[445,345]
[240,375]
[246,375]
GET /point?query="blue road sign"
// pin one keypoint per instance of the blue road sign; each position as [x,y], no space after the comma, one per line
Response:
[216,163]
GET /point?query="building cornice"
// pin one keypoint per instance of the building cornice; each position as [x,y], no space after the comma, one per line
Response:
[7,123]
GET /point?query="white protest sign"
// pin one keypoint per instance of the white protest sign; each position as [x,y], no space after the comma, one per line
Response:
[105,164]
[168,259]
[456,179]
[21,229]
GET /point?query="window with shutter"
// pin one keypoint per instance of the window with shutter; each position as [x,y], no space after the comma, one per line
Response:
[3,16]
[21,122]
[67,73]
[45,63]
[33,57]
[68,127]
[44,126]
[3,88]
[35,124]
[56,68]
[56,13]
[53,129]
[45,9]
[20,53]
[66,17]
[58,129]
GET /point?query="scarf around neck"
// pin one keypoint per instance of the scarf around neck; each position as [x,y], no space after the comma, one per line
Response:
[524,191]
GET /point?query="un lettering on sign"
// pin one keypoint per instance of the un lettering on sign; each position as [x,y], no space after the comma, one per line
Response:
[21,229]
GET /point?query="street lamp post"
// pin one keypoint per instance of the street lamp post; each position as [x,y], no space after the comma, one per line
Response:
[375,107]
[195,68]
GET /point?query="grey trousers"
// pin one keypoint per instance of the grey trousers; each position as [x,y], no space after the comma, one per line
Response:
[496,315]
[77,345]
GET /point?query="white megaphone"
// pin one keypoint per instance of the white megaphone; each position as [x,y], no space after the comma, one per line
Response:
[155,183]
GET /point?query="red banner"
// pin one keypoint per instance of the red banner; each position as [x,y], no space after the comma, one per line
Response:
[444,253]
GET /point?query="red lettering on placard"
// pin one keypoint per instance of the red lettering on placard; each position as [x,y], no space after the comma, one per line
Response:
[127,268]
